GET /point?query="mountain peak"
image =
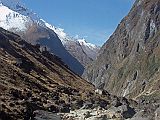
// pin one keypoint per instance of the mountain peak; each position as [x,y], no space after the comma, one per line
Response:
[18,6]
[82,41]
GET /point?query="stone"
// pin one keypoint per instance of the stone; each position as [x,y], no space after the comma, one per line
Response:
[116,103]
[157,114]
[87,105]
[98,91]
[44,115]
[87,115]
[128,113]
[103,104]
[64,108]
[53,109]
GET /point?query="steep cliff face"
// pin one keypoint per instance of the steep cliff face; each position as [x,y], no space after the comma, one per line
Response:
[129,62]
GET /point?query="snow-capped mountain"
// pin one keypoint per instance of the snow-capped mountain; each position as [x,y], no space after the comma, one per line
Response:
[15,17]
[83,51]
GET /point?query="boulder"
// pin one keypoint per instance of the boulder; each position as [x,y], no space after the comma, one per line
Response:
[87,105]
[77,104]
[65,108]
[103,104]
[157,114]
[53,109]
[116,103]
[44,115]
[128,113]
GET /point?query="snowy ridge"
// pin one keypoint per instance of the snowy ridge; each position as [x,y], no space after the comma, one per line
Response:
[59,31]
[64,37]
[13,20]
[88,49]
[18,6]
[83,42]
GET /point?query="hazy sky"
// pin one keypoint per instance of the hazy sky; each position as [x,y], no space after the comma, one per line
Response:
[95,20]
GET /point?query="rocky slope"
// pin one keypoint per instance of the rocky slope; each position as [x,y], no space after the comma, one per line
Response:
[31,78]
[129,62]
[35,84]
[17,18]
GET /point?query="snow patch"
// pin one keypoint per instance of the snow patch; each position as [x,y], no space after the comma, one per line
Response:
[83,42]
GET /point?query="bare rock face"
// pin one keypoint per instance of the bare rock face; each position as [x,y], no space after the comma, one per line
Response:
[129,62]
